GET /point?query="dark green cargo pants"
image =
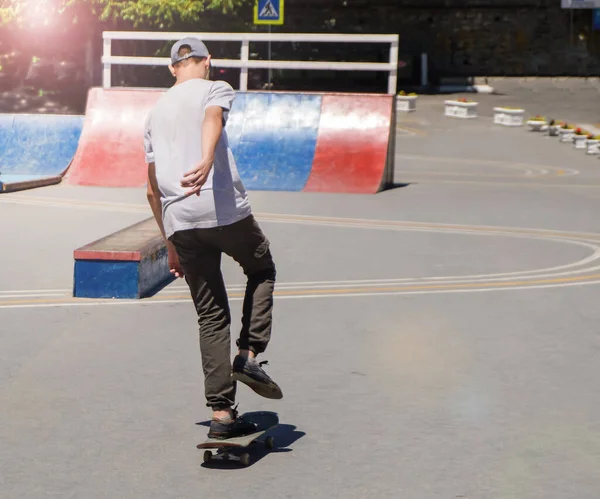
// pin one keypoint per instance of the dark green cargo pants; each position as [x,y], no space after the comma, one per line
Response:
[199,252]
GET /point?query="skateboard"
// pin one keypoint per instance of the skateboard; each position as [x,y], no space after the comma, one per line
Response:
[227,450]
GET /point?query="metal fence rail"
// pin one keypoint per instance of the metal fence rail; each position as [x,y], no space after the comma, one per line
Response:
[244,61]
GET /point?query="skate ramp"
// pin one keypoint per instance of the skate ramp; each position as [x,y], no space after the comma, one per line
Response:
[313,142]
[36,149]
[273,138]
[111,152]
[281,140]
[356,145]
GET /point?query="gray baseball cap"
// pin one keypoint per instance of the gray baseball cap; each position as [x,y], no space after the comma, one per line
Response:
[198,49]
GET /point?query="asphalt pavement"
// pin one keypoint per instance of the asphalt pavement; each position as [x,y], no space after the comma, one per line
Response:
[438,340]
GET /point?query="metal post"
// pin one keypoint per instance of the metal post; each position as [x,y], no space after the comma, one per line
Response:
[393,76]
[424,70]
[106,53]
[571,28]
[245,58]
[270,74]
[89,62]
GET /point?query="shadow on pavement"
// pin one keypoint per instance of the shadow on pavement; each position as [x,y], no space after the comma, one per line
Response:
[284,435]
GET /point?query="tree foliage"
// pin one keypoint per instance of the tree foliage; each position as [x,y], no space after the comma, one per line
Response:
[149,13]
[163,13]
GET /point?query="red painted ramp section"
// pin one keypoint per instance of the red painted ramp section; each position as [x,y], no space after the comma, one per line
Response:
[111,150]
[355,150]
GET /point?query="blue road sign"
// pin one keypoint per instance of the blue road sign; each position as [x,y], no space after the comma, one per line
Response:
[268,12]
[596,22]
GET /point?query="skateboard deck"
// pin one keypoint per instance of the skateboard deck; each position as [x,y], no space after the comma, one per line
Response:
[264,421]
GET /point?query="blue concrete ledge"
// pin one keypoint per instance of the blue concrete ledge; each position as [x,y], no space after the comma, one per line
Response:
[129,264]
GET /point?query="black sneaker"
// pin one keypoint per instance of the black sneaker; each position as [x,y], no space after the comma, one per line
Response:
[250,372]
[231,427]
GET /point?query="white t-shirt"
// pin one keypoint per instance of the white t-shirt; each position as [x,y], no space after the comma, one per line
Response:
[173,141]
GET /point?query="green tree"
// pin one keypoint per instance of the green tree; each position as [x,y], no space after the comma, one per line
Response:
[164,13]
[64,28]
[147,13]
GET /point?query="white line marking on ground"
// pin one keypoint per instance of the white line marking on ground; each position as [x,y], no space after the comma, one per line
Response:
[588,240]
[298,297]
[30,295]
[527,167]
[524,274]
[555,236]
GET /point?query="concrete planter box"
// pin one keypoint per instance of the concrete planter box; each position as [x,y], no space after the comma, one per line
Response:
[508,117]
[463,110]
[566,135]
[579,141]
[407,103]
[593,147]
[537,126]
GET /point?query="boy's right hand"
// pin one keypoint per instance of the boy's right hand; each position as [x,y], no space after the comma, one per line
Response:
[197,176]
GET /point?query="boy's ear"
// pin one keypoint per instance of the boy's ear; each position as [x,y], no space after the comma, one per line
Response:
[207,64]
[172,69]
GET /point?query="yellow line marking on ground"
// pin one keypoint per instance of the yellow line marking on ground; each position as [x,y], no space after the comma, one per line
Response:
[422,287]
[340,291]
[464,174]
[368,223]
[540,170]
[77,202]
[365,222]
[483,183]
[412,130]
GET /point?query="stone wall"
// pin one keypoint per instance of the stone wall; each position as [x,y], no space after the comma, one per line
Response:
[467,37]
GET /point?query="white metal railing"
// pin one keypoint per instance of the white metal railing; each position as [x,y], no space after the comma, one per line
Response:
[246,63]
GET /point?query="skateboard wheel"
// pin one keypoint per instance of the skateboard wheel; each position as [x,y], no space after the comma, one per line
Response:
[207,456]
[245,459]
[270,442]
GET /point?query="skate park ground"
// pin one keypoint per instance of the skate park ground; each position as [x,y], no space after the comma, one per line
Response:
[436,340]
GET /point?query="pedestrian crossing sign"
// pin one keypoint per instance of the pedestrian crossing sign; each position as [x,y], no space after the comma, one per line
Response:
[268,12]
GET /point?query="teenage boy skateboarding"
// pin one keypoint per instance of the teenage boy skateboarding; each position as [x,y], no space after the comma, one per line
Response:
[203,211]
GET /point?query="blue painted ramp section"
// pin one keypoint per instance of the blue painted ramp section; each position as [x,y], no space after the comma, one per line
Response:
[273,138]
[36,149]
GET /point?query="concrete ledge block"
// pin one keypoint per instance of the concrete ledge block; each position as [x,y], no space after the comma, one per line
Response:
[131,263]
